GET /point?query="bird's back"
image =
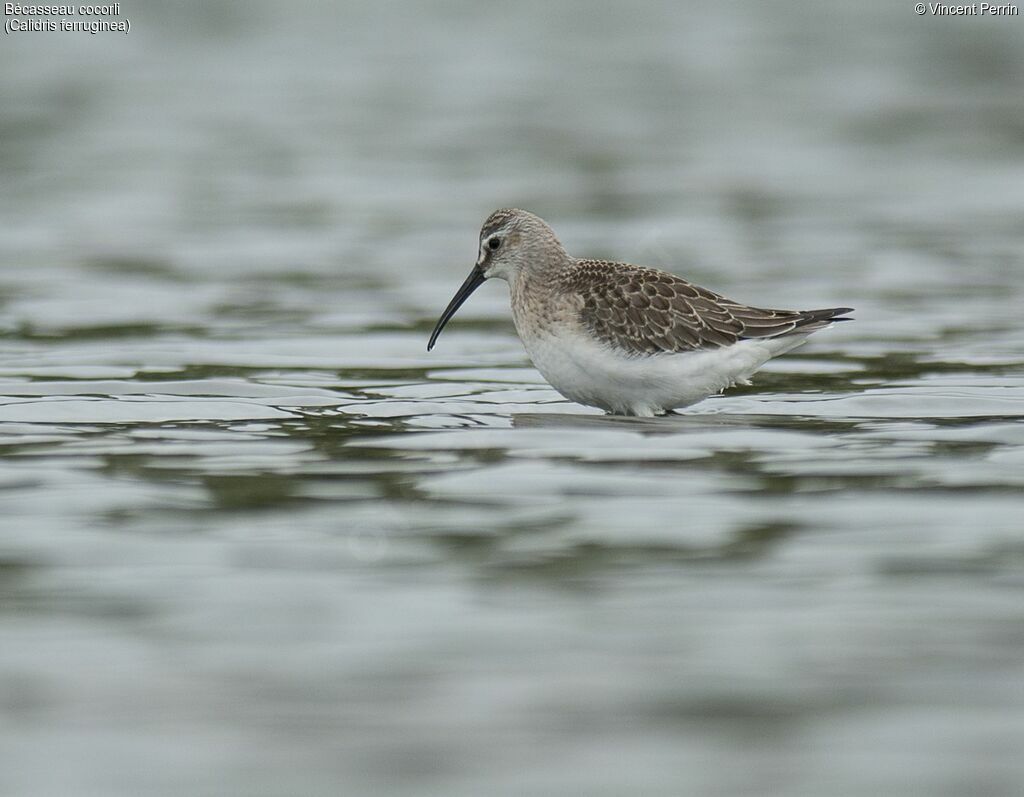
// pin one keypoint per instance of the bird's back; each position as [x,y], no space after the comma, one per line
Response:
[644,311]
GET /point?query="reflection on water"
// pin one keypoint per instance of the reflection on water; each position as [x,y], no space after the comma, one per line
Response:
[256,541]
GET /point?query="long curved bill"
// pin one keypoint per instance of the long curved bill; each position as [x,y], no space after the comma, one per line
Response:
[473,281]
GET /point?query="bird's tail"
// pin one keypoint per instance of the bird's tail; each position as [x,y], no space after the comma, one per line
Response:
[812,320]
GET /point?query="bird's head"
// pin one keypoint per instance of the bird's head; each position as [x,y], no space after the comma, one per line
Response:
[511,241]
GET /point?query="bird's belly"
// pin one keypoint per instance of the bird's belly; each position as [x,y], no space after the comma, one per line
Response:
[588,372]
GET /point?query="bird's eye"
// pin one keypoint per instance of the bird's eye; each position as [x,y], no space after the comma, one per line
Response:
[493,242]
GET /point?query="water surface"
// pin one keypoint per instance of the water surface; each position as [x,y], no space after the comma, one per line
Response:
[255,540]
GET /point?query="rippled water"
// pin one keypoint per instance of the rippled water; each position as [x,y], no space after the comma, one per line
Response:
[254,540]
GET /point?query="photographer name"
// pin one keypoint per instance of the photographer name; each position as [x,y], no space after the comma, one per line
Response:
[970,10]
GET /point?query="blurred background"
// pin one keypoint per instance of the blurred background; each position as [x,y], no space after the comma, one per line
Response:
[255,541]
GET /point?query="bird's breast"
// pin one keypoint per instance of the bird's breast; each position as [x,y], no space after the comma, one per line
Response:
[541,312]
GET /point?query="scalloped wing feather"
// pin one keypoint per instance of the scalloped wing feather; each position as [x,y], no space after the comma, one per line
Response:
[645,311]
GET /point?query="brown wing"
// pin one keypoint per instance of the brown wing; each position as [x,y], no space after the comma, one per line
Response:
[645,311]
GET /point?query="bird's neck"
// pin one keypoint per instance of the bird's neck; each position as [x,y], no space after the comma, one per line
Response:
[535,298]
